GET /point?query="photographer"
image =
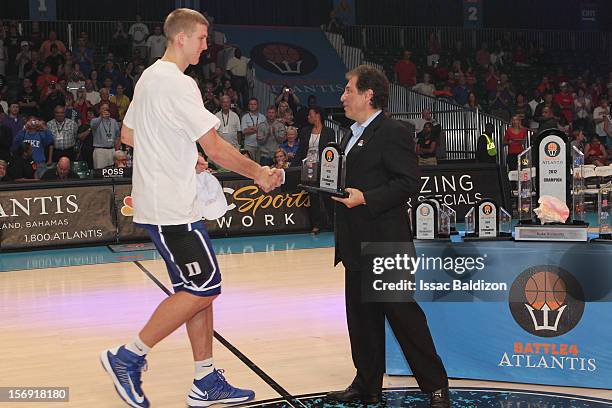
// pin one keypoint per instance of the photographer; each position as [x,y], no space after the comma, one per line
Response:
[35,133]
[49,100]
[288,96]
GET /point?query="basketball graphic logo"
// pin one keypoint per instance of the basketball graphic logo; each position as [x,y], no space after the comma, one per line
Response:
[329,155]
[553,149]
[545,289]
[424,211]
[546,301]
[487,209]
[284,58]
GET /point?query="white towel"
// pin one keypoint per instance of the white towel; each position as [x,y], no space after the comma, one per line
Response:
[211,198]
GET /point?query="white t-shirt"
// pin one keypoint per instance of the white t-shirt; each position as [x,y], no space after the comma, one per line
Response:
[237,66]
[597,114]
[139,33]
[229,127]
[93,97]
[168,116]
[157,46]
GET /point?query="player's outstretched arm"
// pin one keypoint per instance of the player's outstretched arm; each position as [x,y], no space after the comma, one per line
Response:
[226,155]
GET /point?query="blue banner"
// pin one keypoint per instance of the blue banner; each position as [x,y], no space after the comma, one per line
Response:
[472,13]
[527,312]
[301,58]
[43,10]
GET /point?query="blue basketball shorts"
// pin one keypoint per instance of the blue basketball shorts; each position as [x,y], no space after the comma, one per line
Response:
[189,257]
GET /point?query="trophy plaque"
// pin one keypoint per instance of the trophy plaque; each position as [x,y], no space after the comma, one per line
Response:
[327,175]
[556,184]
[431,221]
[488,221]
[604,213]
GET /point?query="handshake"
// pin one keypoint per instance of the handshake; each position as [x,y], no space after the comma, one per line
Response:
[269,179]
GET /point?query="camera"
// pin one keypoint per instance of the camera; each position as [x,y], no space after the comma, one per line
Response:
[34,122]
[286,90]
[233,105]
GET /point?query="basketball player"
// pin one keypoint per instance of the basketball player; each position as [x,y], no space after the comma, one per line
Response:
[164,121]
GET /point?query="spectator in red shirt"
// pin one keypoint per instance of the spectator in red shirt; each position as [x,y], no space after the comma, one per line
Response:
[405,71]
[515,138]
[491,79]
[483,57]
[44,80]
[566,101]
[545,86]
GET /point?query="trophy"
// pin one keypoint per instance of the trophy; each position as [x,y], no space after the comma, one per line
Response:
[327,175]
[488,221]
[431,221]
[604,213]
[556,185]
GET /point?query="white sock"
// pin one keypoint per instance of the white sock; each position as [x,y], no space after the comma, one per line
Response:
[138,347]
[203,368]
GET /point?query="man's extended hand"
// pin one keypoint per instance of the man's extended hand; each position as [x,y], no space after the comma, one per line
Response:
[269,179]
[354,199]
[201,165]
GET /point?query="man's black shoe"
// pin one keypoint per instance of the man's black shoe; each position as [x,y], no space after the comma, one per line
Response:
[353,395]
[439,399]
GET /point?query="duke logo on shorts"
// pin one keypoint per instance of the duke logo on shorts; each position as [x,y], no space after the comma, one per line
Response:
[189,257]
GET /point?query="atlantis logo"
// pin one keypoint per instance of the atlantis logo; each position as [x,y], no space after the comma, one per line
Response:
[552,149]
[284,59]
[546,301]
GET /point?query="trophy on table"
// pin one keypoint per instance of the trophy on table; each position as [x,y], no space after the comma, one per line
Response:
[433,221]
[551,176]
[488,221]
[327,175]
[604,213]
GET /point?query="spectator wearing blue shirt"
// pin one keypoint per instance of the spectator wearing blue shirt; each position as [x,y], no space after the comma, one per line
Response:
[461,91]
[292,145]
[39,137]
[13,121]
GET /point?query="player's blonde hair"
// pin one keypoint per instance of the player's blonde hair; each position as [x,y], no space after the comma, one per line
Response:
[182,19]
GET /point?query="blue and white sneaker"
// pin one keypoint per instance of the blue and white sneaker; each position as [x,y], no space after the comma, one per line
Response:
[125,368]
[214,389]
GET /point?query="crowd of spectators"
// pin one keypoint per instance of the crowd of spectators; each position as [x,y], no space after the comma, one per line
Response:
[500,81]
[59,106]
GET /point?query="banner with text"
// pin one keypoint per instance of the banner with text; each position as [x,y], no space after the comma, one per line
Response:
[301,58]
[60,216]
[516,312]
[460,187]
[253,211]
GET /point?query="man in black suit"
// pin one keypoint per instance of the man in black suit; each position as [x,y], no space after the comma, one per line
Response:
[313,139]
[381,172]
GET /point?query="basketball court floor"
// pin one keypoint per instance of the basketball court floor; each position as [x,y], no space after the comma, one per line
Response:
[280,328]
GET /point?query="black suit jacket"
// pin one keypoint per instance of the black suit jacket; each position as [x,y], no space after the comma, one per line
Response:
[327,136]
[382,164]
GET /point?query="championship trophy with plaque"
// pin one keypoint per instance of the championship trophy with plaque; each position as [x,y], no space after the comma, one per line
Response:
[327,175]
[604,213]
[432,221]
[488,221]
[554,180]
